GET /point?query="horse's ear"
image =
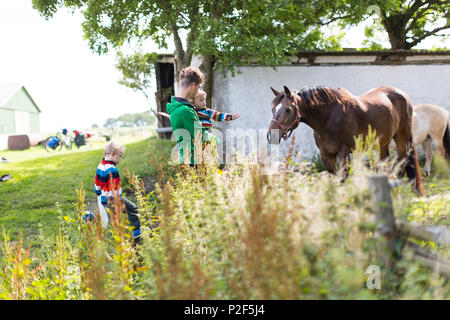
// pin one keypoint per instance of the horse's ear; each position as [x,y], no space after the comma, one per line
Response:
[287,91]
[275,92]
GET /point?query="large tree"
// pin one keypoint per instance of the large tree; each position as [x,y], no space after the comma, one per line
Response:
[407,23]
[231,32]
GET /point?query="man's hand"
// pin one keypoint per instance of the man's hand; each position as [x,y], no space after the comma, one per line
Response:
[235,116]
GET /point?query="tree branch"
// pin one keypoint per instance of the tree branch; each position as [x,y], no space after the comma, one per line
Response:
[166,6]
[183,16]
[151,109]
[194,18]
[416,5]
[179,51]
[431,5]
[425,35]
[416,18]
[320,22]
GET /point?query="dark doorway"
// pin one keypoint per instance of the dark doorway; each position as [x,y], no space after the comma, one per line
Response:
[165,89]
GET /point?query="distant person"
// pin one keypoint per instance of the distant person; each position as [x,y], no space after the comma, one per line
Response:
[182,112]
[66,137]
[107,186]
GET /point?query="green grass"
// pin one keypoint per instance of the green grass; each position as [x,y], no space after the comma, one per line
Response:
[222,234]
[434,208]
[44,184]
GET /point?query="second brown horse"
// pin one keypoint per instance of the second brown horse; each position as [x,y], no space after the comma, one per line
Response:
[337,117]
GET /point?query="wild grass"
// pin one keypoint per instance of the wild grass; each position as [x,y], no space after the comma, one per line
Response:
[42,188]
[226,234]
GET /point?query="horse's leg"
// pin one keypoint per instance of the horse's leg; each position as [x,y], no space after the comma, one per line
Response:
[329,161]
[401,150]
[438,139]
[384,151]
[343,162]
[406,150]
[401,144]
[427,147]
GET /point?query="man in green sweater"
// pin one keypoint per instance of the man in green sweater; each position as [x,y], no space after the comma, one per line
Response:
[186,125]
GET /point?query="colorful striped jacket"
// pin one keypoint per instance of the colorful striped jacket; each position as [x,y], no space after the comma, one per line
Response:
[205,116]
[107,181]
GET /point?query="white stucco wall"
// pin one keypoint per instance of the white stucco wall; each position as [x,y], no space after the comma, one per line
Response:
[249,94]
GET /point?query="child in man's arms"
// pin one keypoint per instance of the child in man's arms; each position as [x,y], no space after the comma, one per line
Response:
[206,115]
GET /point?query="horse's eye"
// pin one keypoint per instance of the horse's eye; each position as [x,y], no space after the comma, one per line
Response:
[287,110]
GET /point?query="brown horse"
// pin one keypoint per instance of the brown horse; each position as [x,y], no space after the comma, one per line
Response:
[337,117]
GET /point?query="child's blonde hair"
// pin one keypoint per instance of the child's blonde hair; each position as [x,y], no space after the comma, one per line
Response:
[114,147]
[200,91]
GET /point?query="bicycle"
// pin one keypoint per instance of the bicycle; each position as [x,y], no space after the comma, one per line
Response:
[56,142]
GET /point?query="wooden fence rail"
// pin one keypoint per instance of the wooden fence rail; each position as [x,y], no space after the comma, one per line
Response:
[391,230]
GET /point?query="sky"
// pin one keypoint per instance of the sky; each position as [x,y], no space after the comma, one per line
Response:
[73,86]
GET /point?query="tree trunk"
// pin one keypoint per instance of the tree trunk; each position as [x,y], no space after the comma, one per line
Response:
[395,26]
[207,68]
[180,59]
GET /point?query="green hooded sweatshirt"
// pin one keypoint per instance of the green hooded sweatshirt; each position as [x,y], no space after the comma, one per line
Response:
[184,116]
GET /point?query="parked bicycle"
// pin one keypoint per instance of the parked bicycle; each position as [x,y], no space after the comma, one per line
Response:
[67,139]
[56,142]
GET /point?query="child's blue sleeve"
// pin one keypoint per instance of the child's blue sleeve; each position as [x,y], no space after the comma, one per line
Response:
[206,113]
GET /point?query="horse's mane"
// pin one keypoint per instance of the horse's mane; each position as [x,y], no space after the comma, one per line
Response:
[314,96]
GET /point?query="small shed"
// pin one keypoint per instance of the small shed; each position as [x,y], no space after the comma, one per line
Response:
[19,113]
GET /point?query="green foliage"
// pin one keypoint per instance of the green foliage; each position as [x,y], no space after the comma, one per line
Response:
[222,234]
[260,32]
[137,70]
[131,120]
[372,39]
[233,32]
[318,163]
[137,74]
[407,23]
[369,147]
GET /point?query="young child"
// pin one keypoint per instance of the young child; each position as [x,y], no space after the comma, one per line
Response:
[205,115]
[107,186]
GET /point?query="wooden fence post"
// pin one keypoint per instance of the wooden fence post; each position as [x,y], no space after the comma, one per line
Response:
[390,230]
[384,216]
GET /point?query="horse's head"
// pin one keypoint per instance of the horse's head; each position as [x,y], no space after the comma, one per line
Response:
[286,115]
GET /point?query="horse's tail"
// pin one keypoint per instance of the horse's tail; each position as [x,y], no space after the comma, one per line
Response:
[412,167]
[446,141]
